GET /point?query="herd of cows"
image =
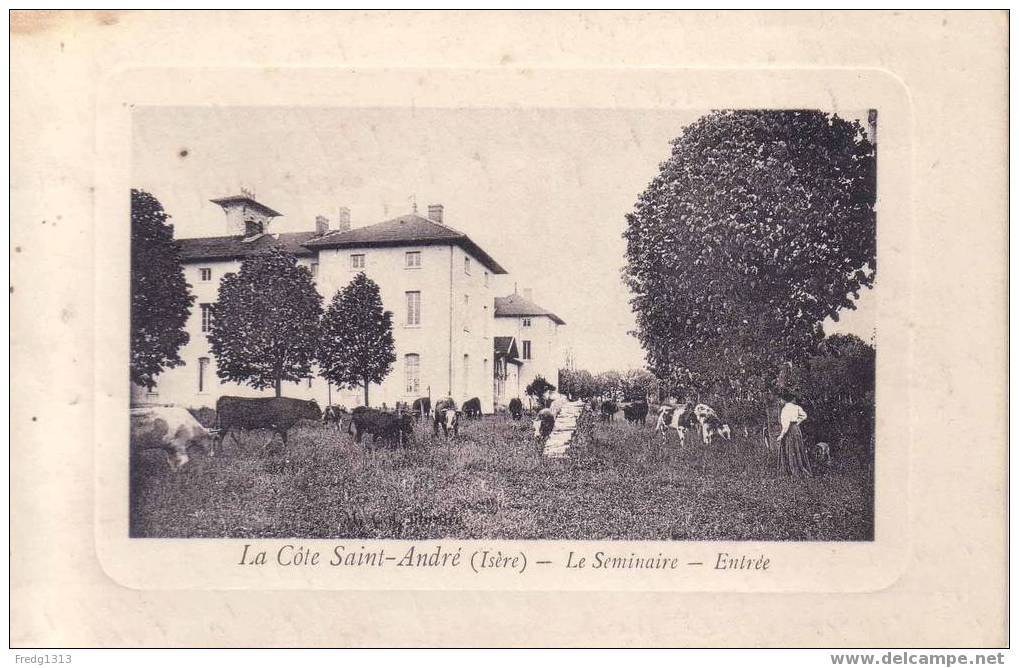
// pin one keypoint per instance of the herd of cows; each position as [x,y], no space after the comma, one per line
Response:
[174,429]
[681,418]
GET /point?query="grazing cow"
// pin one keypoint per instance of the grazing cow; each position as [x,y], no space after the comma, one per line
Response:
[334,414]
[446,416]
[276,413]
[472,408]
[391,428]
[516,408]
[711,424]
[673,418]
[608,411]
[544,424]
[421,407]
[636,412]
[171,429]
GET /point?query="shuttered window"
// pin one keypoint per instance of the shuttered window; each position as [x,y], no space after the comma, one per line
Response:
[203,370]
[414,308]
[206,317]
[412,373]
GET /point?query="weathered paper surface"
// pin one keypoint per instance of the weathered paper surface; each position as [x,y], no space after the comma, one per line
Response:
[935,571]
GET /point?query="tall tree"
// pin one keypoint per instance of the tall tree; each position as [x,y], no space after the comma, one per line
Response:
[759,226]
[356,346]
[265,324]
[160,297]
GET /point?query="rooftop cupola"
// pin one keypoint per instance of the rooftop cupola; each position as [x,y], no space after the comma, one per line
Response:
[245,216]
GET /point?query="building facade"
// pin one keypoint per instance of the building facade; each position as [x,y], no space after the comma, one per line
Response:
[535,331]
[450,337]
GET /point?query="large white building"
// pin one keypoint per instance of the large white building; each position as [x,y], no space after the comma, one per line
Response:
[454,335]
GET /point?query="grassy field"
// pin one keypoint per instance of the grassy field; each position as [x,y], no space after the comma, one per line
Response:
[619,483]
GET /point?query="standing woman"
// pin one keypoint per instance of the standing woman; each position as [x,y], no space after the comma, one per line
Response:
[792,455]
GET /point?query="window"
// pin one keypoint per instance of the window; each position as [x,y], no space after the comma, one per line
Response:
[467,265]
[413,259]
[527,350]
[412,373]
[357,261]
[206,317]
[205,273]
[413,308]
[314,269]
[527,322]
[486,279]
[467,313]
[467,375]
[309,381]
[203,369]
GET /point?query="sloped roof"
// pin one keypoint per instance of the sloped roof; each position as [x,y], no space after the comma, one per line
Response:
[515,306]
[505,345]
[409,230]
[242,199]
[235,247]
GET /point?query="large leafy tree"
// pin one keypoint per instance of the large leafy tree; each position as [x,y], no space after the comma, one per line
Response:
[759,226]
[265,323]
[356,346]
[160,297]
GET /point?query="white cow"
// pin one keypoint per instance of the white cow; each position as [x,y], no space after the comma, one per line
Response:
[670,417]
[168,428]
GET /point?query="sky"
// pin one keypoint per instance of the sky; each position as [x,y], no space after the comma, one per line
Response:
[544,191]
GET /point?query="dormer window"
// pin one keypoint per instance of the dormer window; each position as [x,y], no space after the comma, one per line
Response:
[251,228]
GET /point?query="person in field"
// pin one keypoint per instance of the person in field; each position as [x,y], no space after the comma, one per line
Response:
[792,455]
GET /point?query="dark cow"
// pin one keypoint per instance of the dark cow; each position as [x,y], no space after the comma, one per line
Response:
[635,412]
[276,413]
[544,424]
[472,408]
[446,416]
[421,407]
[334,415]
[389,427]
[608,411]
[516,408]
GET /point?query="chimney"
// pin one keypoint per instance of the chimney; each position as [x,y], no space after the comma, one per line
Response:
[527,294]
[344,222]
[321,225]
[435,212]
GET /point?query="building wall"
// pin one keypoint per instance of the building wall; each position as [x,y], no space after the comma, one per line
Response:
[180,385]
[546,355]
[449,329]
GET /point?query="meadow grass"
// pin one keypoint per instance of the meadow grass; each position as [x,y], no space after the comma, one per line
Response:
[620,482]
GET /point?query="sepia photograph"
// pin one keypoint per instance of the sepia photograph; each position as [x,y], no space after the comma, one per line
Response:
[580,324]
[510,328]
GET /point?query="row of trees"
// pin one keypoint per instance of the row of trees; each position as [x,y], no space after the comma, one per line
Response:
[268,326]
[631,383]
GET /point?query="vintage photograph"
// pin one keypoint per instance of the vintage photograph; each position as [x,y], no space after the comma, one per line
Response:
[576,324]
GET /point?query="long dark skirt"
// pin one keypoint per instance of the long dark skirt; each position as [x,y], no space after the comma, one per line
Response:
[792,454]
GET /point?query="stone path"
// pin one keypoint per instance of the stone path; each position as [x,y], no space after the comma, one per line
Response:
[558,442]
